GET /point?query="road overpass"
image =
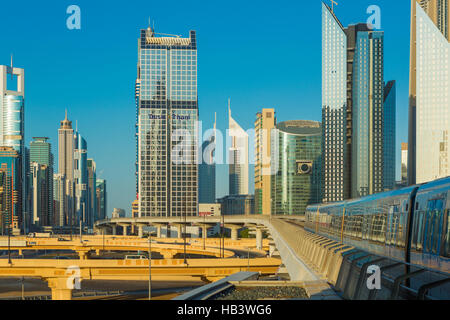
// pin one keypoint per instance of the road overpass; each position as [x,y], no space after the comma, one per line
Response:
[60,274]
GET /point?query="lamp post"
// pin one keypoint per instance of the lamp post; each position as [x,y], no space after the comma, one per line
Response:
[149,266]
[184,236]
[9,244]
[248,258]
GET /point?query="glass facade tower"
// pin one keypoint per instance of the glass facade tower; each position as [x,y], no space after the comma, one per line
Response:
[334,107]
[298,180]
[429,110]
[12,131]
[352,109]
[167,125]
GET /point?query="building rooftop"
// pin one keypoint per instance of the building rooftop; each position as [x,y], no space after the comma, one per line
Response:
[301,127]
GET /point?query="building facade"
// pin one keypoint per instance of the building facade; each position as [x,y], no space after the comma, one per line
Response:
[298,180]
[336,135]
[167,125]
[9,190]
[207,171]
[237,204]
[66,169]
[41,166]
[389,133]
[264,127]
[12,129]
[92,192]
[101,199]
[81,180]
[404,163]
[429,104]
[237,157]
[352,109]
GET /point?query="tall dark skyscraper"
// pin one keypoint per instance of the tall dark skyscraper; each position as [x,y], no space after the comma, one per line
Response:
[389,135]
[167,125]
[352,108]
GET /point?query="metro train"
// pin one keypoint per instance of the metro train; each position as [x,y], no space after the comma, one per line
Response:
[410,224]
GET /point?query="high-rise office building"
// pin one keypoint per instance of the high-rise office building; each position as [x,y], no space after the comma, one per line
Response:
[207,171]
[60,201]
[429,91]
[264,126]
[336,136]
[389,134]
[352,108]
[41,166]
[81,179]
[298,180]
[10,188]
[12,128]
[66,169]
[238,157]
[41,202]
[101,199]
[92,192]
[167,125]
[404,164]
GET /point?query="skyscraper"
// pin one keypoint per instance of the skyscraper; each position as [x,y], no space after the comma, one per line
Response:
[41,165]
[238,157]
[264,126]
[404,164]
[60,202]
[101,199]
[389,115]
[352,108]
[42,203]
[9,190]
[297,181]
[336,137]
[429,98]
[167,125]
[81,179]
[12,127]
[66,169]
[207,171]
[92,192]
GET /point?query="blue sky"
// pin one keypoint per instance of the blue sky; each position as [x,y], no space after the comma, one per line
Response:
[261,54]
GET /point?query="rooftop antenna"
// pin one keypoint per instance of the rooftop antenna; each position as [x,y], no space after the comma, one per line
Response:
[12,68]
[76,125]
[66,115]
[332,5]
[229,107]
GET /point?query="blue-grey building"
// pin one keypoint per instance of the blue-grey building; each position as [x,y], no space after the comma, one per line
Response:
[389,135]
[167,125]
[81,179]
[367,111]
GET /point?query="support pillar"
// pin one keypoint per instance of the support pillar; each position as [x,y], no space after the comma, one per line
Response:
[259,242]
[140,231]
[60,290]
[158,231]
[114,230]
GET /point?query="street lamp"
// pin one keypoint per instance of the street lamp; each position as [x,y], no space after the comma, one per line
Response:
[9,243]
[149,266]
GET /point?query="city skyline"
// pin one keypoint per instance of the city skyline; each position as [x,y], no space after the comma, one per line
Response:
[245,105]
